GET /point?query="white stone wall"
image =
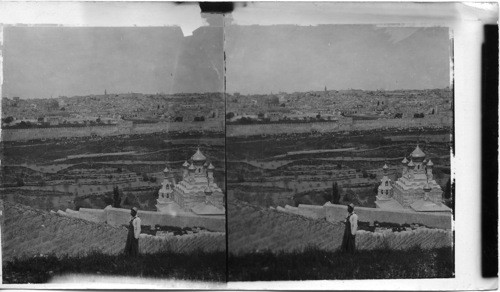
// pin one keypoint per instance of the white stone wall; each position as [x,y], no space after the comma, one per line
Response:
[60,132]
[118,216]
[337,213]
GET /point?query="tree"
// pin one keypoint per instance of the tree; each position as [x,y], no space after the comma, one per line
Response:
[19,181]
[335,193]
[8,120]
[53,104]
[116,197]
[229,115]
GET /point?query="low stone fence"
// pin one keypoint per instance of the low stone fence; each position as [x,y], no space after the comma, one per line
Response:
[338,213]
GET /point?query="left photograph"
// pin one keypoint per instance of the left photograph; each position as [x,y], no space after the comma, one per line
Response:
[112,154]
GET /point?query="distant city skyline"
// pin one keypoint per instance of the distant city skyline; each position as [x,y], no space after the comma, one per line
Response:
[291,58]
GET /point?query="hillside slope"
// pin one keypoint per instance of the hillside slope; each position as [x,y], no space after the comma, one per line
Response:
[252,228]
[27,232]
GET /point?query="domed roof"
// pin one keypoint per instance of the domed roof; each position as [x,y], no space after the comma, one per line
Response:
[191,167]
[417,153]
[411,163]
[385,167]
[405,161]
[198,156]
[166,169]
[211,166]
[430,163]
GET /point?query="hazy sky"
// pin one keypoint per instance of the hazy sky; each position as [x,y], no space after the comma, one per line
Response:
[41,62]
[263,59]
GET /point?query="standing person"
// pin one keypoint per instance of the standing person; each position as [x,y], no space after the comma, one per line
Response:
[351,226]
[134,230]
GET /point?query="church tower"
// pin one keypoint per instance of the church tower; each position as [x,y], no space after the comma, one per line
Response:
[385,187]
[405,166]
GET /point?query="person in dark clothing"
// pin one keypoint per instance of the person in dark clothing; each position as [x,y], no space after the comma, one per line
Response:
[351,226]
[134,230]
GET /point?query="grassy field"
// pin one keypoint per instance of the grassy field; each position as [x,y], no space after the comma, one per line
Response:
[316,264]
[198,265]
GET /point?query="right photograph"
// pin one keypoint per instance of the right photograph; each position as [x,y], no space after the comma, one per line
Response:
[339,145]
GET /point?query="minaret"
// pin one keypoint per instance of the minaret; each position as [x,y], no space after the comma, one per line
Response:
[405,166]
[429,170]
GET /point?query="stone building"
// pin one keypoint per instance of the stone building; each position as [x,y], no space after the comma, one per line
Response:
[196,193]
[416,190]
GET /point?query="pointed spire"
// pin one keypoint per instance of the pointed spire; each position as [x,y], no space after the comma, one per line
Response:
[405,161]
[211,167]
[186,164]
[198,156]
[166,170]
[417,153]
[429,163]
[411,164]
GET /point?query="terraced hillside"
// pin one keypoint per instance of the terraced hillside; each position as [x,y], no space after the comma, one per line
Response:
[252,228]
[27,232]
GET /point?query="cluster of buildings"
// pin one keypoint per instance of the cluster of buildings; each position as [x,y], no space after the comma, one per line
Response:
[346,103]
[415,191]
[110,107]
[197,193]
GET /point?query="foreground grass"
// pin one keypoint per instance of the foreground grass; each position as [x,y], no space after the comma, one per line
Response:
[316,264]
[199,265]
